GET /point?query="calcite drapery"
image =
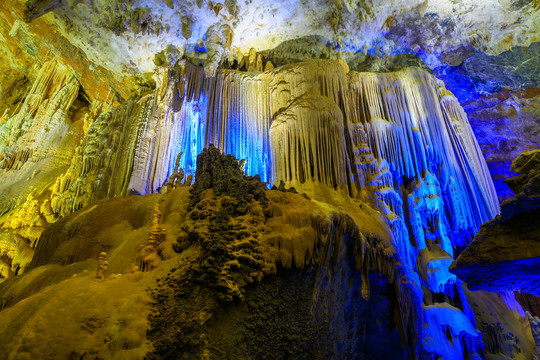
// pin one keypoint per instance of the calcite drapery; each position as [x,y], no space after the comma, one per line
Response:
[307,142]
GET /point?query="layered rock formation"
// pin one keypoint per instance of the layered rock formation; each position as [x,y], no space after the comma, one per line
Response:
[37,143]
[505,125]
[442,32]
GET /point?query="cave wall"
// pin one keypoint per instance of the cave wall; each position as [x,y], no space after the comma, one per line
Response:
[396,145]
[505,124]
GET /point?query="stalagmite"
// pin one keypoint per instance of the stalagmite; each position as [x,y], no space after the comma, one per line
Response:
[252,60]
[102,266]
[147,256]
[177,176]
[268,66]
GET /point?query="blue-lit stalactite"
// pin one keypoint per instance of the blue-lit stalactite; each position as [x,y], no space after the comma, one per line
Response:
[190,112]
[426,174]
[191,141]
[238,119]
[411,152]
[229,112]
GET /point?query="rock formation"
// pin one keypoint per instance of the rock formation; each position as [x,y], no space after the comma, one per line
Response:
[102,266]
[505,124]
[330,179]
[505,254]
[397,143]
[148,257]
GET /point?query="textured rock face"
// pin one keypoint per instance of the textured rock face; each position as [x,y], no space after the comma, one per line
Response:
[25,47]
[239,267]
[456,38]
[36,143]
[477,48]
[501,321]
[482,74]
[441,24]
[505,254]
[246,235]
[100,99]
[505,125]
[229,246]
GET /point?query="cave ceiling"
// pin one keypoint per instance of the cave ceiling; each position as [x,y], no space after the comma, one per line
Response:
[477,47]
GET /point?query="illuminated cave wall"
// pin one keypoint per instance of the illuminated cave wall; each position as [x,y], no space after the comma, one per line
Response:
[398,142]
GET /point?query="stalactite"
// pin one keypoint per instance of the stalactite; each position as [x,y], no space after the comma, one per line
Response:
[397,140]
[42,119]
[177,176]
[32,148]
[403,120]
[156,129]
[148,257]
[103,163]
[449,332]
[469,159]
[218,39]
[289,82]
[307,142]
[95,109]
[240,119]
